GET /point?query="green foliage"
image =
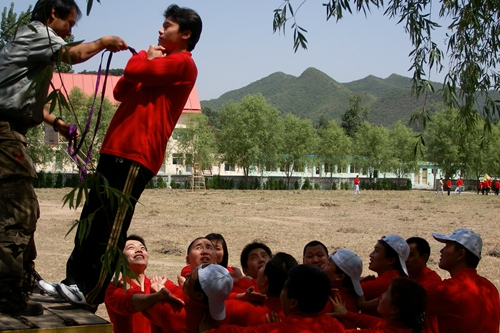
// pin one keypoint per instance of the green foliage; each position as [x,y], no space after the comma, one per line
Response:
[473,47]
[59,180]
[174,185]
[250,134]
[216,182]
[112,72]
[299,142]
[39,181]
[160,182]
[307,185]
[72,181]
[317,186]
[296,185]
[49,180]
[372,150]
[334,146]
[354,116]
[11,22]
[334,186]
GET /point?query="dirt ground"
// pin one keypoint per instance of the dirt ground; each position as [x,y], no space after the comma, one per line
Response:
[285,220]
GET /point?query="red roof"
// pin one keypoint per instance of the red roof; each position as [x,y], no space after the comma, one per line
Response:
[87,83]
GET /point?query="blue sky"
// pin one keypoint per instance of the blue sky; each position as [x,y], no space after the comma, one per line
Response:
[238,47]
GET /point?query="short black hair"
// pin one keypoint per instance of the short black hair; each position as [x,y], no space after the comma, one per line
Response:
[137,238]
[276,271]
[471,260]
[410,299]
[423,246]
[213,237]
[310,286]
[314,243]
[391,253]
[187,19]
[62,8]
[248,248]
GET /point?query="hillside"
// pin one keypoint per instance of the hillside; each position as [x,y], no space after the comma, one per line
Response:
[314,94]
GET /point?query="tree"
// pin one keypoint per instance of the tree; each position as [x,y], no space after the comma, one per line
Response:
[442,142]
[299,141]
[354,116]
[197,141]
[473,47]
[10,23]
[403,160]
[371,148]
[246,128]
[213,116]
[333,147]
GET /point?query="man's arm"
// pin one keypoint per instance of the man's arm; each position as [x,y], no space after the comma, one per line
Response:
[84,51]
[144,301]
[57,123]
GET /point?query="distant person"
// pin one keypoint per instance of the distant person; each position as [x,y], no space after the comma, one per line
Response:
[356,185]
[402,308]
[480,187]
[497,186]
[441,185]
[466,302]
[459,186]
[315,253]
[448,185]
[487,184]
[26,66]
[153,92]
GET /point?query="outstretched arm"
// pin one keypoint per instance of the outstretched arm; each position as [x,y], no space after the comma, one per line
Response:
[84,51]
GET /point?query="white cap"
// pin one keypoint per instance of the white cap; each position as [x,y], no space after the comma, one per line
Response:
[351,264]
[217,283]
[466,237]
[398,244]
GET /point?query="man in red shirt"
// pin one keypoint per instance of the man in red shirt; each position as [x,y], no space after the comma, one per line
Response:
[466,302]
[356,185]
[153,92]
[448,185]
[497,186]
[419,272]
[459,185]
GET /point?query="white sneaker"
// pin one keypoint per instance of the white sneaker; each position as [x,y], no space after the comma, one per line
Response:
[71,293]
[49,288]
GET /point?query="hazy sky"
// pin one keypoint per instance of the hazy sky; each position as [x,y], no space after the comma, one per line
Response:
[238,47]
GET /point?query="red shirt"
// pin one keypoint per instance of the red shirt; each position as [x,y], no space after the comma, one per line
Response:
[497,185]
[356,181]
[350,305]
[370,324]
[296,322]
[243,313]
[465,303]
[459,182]
[153,95]
[373,288]
[448,183]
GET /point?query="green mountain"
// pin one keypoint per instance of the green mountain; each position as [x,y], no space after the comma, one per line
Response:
[314,94]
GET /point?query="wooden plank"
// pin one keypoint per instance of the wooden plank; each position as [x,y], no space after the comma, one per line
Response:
[70,329]
[10,323]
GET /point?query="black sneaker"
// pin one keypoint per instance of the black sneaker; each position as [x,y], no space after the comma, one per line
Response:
[16,303]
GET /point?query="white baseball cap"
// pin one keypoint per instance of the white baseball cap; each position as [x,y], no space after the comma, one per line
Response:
[398,244]
[466,237]
[217,283]
[351,264]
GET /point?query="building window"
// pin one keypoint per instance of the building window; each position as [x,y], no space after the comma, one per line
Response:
[228,167]
[328,168]
[342,169]
[177,159]
[355,169]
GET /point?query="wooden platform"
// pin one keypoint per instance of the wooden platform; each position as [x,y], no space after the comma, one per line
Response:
[58,317]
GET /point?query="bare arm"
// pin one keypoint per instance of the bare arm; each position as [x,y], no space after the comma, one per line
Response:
[144,301]
[60,125]
[84,51]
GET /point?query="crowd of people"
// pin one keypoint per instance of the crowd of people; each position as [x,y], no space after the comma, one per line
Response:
[272,292]
[484,186]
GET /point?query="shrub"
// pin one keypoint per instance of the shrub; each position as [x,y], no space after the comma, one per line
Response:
[241,185]
[334,186]
[307,185]
[160,182]
[72,181]
[317,186]
[256,183]
[49,180]
[296,185]
[281,184]
[59,180]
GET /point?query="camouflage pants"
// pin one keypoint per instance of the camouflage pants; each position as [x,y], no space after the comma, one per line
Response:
[19,209]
